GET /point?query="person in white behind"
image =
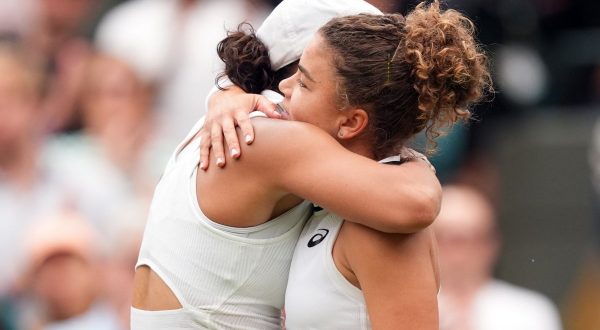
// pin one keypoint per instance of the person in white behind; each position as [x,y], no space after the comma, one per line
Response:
[470,298]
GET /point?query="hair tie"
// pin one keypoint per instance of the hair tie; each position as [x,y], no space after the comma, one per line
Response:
[389,68]
[390,59]
[396,50]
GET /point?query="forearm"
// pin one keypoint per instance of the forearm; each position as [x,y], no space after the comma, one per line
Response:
[416,204]
[218,94]
[390,198]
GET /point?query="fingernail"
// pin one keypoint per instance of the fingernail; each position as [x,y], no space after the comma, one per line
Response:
[234,152]
[202,165]
[220,161]
[248,138]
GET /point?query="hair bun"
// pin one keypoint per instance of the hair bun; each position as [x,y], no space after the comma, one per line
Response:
[246,59]
[449,69]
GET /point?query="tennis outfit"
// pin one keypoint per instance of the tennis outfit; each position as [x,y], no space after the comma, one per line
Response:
[318,296]
[224,277]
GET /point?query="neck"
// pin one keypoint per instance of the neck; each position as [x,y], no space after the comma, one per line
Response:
[359,146]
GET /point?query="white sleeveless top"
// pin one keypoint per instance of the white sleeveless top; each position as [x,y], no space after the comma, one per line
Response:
[222,276]
[318,296]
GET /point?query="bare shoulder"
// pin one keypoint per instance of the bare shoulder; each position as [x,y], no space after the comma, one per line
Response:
[368,248]
[411,257]
[371,239]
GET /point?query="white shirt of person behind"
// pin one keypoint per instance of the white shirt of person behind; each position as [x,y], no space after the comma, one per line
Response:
[502,306]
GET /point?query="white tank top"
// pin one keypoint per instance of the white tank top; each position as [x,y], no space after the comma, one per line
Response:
[224,277]
[318,296]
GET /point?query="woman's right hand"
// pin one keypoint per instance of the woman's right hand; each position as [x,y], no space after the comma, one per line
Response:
[226,110]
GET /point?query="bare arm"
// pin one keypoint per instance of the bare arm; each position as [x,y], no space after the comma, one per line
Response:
[397,275]
[297,158]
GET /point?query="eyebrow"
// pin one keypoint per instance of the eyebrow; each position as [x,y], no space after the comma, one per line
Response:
[305,72]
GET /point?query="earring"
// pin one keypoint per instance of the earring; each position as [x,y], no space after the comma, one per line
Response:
[340,134]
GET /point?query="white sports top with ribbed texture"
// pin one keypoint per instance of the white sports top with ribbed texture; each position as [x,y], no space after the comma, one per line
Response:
[223,277]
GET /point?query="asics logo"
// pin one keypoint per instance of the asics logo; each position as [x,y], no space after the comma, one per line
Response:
[318,237]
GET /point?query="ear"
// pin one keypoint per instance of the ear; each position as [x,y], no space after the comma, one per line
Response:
[353,123]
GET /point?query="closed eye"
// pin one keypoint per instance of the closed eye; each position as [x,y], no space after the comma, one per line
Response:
[300,82]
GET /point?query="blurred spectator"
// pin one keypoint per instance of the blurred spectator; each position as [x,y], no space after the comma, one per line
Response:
[108,164]
[56,43]
[19,97]
[96,172]
[64,271]
[27,187]
[116,113]
[173,44]
[470,298]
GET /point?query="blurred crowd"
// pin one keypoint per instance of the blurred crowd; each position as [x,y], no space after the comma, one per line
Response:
[95,95]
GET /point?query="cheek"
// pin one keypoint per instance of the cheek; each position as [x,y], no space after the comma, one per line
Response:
[297,104]
[314,109]
[304,107]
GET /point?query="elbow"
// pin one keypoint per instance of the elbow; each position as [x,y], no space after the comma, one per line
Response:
[429,203]
[425,203]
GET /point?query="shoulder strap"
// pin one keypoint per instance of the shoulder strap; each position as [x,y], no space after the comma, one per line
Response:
[406,154]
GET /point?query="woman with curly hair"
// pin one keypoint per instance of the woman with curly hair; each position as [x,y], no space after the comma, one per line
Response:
[403,76]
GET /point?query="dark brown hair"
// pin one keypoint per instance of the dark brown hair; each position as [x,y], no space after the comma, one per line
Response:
[246,59]
[247,62]
[413,74]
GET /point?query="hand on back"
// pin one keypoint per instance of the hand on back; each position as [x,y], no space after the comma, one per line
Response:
[228,109]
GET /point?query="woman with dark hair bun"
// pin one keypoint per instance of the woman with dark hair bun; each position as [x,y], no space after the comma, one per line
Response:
[218,244]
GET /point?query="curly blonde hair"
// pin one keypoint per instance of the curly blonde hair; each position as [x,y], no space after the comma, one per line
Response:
[419,73]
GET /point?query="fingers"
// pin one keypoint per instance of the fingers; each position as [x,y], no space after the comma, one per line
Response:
[204,149]
[243,121]
[216,135]
[267,107]
[224,124]
[231,138]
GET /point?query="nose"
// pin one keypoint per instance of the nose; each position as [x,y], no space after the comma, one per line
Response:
[285,86]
